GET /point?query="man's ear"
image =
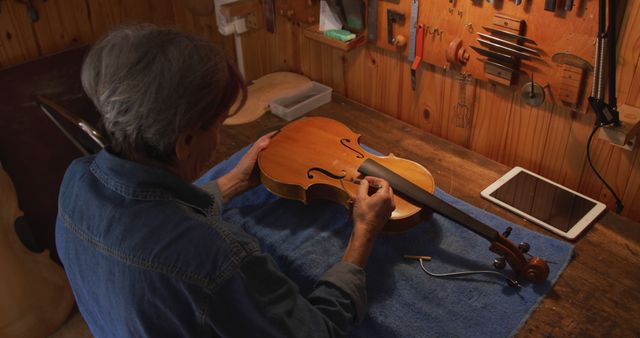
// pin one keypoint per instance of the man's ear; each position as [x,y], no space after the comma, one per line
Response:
[184,145]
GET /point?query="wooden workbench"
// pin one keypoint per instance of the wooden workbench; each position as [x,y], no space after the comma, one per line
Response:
[597,295]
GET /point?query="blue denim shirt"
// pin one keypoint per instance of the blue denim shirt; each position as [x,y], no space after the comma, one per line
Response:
[148,255]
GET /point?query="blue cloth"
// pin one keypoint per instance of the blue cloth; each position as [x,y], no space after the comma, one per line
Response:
[148,255]
[305,240]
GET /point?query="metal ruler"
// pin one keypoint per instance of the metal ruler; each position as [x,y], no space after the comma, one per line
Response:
[413,25]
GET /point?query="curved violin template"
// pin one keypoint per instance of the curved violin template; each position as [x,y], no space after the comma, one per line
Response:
[36,296]
[320,158]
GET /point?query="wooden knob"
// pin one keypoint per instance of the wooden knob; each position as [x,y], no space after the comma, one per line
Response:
[456,53]
[399,41]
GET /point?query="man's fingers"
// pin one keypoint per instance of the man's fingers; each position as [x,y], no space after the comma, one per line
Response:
[262,143]
[363,189]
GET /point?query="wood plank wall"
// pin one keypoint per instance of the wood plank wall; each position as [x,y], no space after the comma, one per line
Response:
[69,23]
[548,139]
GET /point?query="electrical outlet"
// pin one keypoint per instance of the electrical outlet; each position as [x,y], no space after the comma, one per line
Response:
[626,134]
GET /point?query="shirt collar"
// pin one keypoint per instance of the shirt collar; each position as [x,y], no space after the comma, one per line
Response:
[136,180]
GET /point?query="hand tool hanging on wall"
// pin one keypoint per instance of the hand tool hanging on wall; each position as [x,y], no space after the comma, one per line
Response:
[269,10]
[494,55]
[456,53]
[415,51]
[413,26]
[550,5]
[498,72]
[372,21]
[418,58]
[568,5]
[572,76]
[508,22]
[31,10]
[532,93]
[395,17]
[508,34]
[509,44]
[506,49]
[463,112]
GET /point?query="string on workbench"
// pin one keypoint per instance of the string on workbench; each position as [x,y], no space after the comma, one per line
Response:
[510,281]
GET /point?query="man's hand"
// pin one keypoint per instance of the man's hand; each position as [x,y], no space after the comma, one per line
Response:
[370,214]
[244,175]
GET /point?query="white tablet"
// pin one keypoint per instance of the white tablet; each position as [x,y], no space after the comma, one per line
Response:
[546,203]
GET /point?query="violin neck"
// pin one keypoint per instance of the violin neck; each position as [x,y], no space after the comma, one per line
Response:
[419,196]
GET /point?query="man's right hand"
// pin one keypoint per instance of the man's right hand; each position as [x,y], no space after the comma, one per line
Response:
[370,214]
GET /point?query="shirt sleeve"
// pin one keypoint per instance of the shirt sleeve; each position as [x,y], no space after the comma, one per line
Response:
[213,189]
[272,303]
[351,279]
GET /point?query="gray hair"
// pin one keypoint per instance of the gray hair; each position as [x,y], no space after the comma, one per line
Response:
[150,84]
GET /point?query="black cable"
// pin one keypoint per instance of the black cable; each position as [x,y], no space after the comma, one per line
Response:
[619,205]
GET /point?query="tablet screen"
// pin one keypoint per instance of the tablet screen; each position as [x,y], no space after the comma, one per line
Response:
[543,200]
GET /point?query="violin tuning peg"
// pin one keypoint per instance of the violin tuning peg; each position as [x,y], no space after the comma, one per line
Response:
[507,232]
[499,263]
[513,283]
[524,247]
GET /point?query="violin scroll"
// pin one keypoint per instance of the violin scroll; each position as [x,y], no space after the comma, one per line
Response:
[534,270]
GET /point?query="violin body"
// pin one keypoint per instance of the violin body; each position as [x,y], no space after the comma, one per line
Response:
[318,158]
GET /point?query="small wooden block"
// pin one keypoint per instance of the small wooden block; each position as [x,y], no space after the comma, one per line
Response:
[497,74]
[571,83]
[507,22]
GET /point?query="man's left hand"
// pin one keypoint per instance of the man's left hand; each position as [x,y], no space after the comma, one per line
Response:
[244,175]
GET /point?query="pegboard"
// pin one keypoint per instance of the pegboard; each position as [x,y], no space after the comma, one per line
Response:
[560,31]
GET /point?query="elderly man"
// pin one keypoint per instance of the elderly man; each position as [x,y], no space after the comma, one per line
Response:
[147,253]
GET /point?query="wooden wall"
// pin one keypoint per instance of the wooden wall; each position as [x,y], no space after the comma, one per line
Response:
[69,23]
[548,139]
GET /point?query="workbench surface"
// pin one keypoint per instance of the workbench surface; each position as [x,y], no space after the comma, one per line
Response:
[597,294]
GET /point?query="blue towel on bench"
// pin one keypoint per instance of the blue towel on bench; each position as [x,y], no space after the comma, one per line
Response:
[306,240]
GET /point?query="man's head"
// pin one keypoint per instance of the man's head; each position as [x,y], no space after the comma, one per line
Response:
[158,89]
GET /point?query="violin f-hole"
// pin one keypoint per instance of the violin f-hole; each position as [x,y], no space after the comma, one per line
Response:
[326,172]
[344,142]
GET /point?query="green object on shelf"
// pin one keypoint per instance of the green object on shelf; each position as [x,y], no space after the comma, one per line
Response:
[339,34]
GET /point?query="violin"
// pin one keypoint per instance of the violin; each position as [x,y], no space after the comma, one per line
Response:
[315,158]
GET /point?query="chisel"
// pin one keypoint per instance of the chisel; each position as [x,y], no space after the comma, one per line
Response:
[506,49]
[509,44]
[494,55]
[568,5]
[550,5]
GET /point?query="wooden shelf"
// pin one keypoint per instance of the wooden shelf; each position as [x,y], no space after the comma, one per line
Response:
[313,33]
